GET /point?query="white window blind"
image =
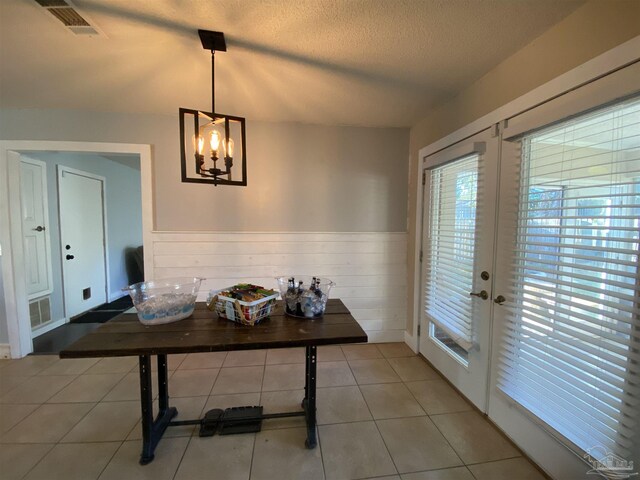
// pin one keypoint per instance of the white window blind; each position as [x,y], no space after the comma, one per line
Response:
[570,346]
[451,246]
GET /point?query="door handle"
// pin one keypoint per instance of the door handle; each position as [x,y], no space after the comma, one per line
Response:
[40,228]
[499,300]
[482,294]
[70,257]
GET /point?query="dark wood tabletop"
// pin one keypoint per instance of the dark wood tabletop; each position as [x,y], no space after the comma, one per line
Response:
[205,332]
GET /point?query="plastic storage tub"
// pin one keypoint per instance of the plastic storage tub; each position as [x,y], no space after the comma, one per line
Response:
[164,301]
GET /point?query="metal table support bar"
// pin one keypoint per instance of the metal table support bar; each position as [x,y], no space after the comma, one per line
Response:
[266,416]
[152,430]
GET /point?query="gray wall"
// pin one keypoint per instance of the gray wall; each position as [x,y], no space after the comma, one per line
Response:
[301,177]
[355,177]
[124,214]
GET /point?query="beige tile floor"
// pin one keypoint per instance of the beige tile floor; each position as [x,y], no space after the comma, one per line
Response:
[382,413]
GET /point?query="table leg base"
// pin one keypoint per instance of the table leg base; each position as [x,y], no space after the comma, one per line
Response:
[311,441]
[159,426]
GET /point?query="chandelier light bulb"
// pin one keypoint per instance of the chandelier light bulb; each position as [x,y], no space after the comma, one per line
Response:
[215,142]
[200,144]
[228,148]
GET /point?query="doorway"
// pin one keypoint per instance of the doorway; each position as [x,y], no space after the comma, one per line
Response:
[14,281]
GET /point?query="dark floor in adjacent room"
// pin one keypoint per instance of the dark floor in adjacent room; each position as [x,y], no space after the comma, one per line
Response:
[59,338]
[105,311]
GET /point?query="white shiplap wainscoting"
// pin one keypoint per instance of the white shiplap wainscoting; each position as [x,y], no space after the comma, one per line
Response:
[369,269]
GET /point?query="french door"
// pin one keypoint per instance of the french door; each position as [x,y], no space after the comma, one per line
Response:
[457,269]
[531,276]
[565,375]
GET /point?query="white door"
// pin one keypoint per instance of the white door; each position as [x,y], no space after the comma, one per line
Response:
[82,240]
[35,224]
[457,245]
[566,363]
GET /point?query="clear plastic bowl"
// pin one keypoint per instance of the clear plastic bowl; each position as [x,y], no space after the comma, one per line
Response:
[307,300]
[164,301]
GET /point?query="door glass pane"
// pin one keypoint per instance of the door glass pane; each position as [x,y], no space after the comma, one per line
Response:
[450,254]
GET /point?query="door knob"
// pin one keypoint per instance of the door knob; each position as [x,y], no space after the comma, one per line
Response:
[40,228]
[482,294]
[70,257]
[499,300]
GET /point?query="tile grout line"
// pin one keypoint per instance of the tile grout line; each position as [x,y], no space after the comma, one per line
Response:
[255,436]
[324,473]
[447,440]
[53,445]
[393,462]
[496,460]
[190,437]
[115,452]
[404,383]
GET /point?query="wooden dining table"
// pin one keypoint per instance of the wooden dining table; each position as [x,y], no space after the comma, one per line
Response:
[204,331]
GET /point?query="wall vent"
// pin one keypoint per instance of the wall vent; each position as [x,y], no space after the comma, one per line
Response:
[66,13]
[39,312]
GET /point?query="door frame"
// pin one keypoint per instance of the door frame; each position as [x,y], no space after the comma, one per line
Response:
[105,236]
[15,294]
[609,61]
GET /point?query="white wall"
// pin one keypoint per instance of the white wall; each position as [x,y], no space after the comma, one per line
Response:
[369,269]
[124,214]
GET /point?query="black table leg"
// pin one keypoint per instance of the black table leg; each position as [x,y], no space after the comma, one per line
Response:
[163,388]
[146,402]
[309,402]
[152,431]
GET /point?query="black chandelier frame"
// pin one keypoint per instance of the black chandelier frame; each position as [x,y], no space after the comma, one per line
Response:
[213,41]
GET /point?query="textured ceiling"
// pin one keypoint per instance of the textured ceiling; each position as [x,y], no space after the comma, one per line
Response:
[356,62]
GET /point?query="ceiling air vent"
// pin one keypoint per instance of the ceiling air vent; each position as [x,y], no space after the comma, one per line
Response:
[69,16]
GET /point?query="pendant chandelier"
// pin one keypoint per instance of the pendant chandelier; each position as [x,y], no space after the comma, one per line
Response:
[210,141]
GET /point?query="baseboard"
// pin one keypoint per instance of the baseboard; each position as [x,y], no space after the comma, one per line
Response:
[384,336]
[5,350]
[48,327]
[411,341]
